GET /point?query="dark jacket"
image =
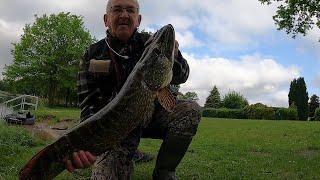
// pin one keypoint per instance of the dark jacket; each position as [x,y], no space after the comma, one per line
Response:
[97,88]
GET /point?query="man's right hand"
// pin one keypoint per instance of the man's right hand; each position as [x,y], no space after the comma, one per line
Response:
[80,160]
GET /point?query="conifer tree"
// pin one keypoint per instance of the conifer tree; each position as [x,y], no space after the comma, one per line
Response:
[302,99]
[213,100]
[292,93]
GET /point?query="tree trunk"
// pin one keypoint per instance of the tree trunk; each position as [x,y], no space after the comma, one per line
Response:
[67,98]
[52,93]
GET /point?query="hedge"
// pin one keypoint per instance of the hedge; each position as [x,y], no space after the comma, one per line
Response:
[224,113]
[287,114]
[259,111]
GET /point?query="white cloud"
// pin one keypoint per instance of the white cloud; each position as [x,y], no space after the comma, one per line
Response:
[224,21]
[186,39]
[258,79]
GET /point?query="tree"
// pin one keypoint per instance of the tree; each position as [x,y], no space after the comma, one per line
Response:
[296,16]
[189,96]
[2,86]
[234,100]
[313,105]
[299,97]
[213,100]
[48,54]
[292,93]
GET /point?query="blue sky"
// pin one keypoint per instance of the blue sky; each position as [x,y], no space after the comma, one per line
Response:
[231,44]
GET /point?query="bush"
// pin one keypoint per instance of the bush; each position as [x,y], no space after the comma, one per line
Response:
[224,113]
[234,100]
[317,114]
[287,114]
[259,111]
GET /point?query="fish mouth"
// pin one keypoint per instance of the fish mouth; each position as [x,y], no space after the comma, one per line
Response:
[166,40]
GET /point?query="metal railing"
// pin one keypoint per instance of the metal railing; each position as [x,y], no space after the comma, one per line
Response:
[5,111]
[23,103]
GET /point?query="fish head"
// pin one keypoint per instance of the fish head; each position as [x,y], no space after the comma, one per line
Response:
[158,58]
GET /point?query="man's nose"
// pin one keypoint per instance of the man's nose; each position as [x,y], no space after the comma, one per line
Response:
[124,13]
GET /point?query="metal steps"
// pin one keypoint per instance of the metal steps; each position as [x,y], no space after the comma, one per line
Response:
[4,110]
[22,103]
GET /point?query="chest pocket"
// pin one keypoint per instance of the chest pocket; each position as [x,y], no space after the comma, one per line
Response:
[100,67]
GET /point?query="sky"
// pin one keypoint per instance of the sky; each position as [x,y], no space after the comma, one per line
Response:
[231,44]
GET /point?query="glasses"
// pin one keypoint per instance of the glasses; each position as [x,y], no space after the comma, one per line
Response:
[119,10]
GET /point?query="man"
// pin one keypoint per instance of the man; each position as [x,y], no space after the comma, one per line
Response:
[103,71]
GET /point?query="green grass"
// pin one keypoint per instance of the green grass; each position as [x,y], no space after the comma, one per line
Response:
[57,114]
[222,149]
[16,146]
[248,149]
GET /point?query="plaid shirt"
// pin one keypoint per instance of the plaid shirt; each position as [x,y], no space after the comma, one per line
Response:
[97,89]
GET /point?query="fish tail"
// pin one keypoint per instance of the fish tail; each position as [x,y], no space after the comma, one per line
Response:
[44,165]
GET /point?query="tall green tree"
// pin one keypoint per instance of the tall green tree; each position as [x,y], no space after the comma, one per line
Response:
[313,105]
[48,54]
[234,100]
[214,99]
[302,99]
[292,93]
[299,97]
[296,16]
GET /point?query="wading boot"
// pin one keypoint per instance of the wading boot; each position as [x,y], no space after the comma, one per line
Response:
[170,154]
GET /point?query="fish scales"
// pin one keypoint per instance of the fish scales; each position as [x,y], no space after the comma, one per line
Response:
[133,106]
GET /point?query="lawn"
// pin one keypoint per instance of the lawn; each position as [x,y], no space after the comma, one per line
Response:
[222,149]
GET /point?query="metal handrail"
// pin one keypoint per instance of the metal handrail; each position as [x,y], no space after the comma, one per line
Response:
[23,102]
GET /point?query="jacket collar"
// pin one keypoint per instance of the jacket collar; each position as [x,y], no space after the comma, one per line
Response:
[117,44]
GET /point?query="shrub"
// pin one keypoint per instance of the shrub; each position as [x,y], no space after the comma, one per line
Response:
[317,114]
[234,100]
[224,113]
[287,114]
[259,111]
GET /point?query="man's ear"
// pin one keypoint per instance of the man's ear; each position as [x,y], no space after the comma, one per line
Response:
[139,20]
[105,19]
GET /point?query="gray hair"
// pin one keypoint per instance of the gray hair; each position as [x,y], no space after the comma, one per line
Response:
[109,5]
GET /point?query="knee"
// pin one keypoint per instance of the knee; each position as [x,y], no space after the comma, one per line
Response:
[185,119]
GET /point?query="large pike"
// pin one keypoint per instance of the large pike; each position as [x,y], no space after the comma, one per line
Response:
[132,106]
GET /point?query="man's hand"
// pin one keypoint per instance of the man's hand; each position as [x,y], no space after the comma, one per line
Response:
[80,160]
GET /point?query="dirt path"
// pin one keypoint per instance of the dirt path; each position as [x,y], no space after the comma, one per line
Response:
[49,132]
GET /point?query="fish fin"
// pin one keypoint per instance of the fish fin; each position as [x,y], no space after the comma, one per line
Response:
[43,165]
[166,99]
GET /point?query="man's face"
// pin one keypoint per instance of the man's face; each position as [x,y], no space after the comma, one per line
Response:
[122,19]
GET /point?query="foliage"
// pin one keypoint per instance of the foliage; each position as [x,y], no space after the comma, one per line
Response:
[259,111]
[2,86]
[47,57]
[292,93]
[234,100]
[213,100]
[174,88]
[298,96]
[192,96]
[287,114]
[317,114]
[296,16]
[302,99]
[224,113]
[313,105]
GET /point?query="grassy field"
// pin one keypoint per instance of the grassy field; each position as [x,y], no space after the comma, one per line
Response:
[57,114]
[222,149]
